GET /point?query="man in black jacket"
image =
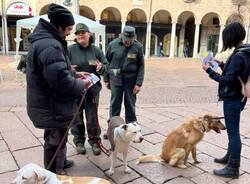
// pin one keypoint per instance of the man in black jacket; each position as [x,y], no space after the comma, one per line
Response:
[52,87]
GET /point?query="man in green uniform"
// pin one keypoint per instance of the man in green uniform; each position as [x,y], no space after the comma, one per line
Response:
[84,56]
[126,73]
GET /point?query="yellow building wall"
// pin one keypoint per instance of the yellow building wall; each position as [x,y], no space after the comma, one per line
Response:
[198,8]
[224,8]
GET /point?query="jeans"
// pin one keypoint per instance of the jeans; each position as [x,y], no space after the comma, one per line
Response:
[232,110]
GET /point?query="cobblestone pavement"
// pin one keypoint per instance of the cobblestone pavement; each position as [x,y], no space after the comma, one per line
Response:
[173,91]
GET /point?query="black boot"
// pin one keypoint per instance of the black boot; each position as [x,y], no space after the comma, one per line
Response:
[231,170]
[68,164]
[222,160]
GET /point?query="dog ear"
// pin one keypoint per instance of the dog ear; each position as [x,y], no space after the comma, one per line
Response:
[125,126]
[41,176]
[207,117]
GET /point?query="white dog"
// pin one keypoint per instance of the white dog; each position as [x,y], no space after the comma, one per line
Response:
[120,135]
[34,174]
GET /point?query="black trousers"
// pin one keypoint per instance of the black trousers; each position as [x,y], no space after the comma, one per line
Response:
[52,138]
[90,106]
[117,94]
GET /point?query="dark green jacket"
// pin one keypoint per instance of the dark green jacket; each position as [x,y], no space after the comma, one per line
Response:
[81,57]
[129,60]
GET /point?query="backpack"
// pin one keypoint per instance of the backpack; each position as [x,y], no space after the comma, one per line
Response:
[245,87]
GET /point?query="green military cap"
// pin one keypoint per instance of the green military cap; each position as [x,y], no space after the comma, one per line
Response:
[128,33]
[81,27]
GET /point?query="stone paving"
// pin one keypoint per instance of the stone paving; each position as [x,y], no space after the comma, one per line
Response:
[173,91]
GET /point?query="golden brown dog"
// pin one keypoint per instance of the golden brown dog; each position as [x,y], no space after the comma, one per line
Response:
[183,139]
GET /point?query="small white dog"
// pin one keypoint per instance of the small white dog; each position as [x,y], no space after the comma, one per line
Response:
[34,174]
[120,135]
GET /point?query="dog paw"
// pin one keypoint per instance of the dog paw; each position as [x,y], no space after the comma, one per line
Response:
[182,166]
[127,170]
[138,162]
[110,172]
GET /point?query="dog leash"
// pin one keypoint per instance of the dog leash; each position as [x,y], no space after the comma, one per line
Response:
[102,148]
[65,135]
[98,142]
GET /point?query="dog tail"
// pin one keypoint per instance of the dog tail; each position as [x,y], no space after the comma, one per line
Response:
[149,158]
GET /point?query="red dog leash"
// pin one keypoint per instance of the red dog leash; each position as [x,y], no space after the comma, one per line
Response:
[97,142]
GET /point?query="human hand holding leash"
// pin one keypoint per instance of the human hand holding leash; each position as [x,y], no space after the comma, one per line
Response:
[136,89]
[85,78]
[86,83]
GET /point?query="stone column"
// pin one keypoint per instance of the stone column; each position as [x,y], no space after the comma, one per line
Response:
[123,25]
[156,45]
[222,26]
[148,40]
[247,32]
[196,40]
[172,44]
[4,41]
[6,38]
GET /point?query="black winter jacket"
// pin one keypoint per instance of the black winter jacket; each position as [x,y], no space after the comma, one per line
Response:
[51,87]
[238,64]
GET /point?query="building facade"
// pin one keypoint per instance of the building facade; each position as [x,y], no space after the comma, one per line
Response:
[179,28]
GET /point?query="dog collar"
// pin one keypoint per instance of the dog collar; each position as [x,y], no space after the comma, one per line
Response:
[203,127]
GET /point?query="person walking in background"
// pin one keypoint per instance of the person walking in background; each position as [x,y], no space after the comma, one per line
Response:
[186,49]
[126,73]
[237,65]
[161,53]
[85,56]
[52,89]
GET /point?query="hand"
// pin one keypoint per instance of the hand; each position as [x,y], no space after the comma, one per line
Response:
[98,65]
[205,66]
[86,83]
[217,61]
[107,84]
[82,75]
[136,89]
[74,67]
